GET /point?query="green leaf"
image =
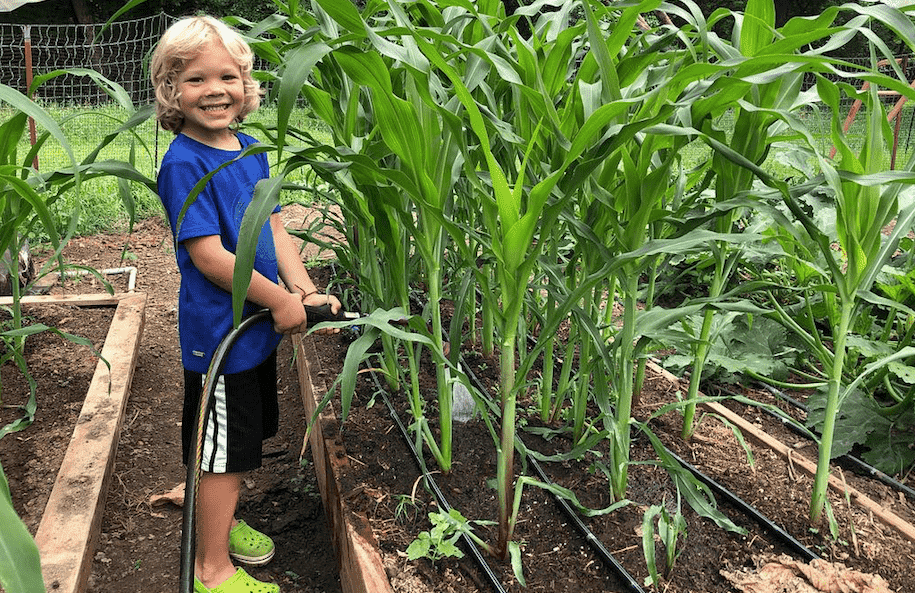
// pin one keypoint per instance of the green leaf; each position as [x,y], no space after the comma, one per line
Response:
[856,419]
[697,495]
[757,28]
[514,553]
[20,563]
[903,372]
[256,216]
[890,450]
[346,14]
[298,64]
[32,109]
[419,548]
[648,547]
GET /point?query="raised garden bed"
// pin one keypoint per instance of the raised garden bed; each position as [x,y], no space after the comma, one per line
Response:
[69,526]
[377,497]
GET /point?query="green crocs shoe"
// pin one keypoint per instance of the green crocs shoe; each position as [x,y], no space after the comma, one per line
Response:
[240,582]
[249,546]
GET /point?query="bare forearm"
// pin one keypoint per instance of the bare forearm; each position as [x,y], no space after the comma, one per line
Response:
[289,264]
[218,266]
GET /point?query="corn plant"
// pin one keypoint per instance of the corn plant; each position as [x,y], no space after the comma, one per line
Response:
[864,206]
[555,159]
[671,530]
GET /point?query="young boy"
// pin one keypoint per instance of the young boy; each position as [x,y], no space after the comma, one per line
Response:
[201,72]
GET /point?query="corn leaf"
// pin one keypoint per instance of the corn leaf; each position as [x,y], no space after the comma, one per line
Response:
[253,222]
[20,564]
[757,27]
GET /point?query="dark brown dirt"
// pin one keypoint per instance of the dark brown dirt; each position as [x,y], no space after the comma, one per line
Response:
[139,542]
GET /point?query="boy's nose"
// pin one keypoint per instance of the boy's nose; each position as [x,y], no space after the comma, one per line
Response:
[214,88]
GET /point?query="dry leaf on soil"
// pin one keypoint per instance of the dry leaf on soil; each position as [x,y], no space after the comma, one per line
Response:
[783,574]
[174,496]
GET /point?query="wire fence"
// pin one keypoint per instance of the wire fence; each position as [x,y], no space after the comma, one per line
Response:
[121,52]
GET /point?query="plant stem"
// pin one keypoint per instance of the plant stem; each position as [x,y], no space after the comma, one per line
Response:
[821,480]
[620,460]
[505,470]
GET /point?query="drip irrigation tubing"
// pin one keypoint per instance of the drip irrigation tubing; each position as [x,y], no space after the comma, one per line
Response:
[598,546]
[848,458]
[192,480]
[439,495]
[593,541]
[748,510]
[745,508]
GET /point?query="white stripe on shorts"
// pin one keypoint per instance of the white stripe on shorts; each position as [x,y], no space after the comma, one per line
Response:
[215,433]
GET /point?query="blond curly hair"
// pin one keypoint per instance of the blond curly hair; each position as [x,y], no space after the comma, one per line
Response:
[182,42]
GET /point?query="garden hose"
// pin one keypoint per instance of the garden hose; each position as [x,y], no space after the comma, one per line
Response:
[188,531]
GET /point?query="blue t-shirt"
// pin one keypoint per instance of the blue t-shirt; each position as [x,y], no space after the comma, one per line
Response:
[204,309]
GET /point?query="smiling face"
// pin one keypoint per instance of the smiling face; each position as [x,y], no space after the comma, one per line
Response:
[211,96]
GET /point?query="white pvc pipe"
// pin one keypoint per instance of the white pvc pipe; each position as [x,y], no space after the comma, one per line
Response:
[131,280]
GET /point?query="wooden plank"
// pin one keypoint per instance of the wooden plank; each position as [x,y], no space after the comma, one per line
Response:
[903,527]
[361,568]
[81,300]
[69,529]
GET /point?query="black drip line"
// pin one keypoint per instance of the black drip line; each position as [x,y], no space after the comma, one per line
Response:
[596,545]
[744,507]
[631,584]
[593,541]
[430,482]
[748,510]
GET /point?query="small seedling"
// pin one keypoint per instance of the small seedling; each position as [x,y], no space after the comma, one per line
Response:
[407,508]
[440,541]
[671,530]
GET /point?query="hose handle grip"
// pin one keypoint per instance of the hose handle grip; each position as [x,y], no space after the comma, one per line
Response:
[322,313]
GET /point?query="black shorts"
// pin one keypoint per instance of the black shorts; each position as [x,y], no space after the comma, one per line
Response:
[243,411]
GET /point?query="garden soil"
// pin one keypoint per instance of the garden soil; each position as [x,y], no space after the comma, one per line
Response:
[138,547]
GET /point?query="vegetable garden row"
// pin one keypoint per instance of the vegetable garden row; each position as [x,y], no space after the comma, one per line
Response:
[536,181]
[640,187]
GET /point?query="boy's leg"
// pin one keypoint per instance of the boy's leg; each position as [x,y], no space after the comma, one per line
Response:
[243,412]
[216,502]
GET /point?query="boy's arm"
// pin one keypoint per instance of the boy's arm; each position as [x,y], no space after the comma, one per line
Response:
[293,272]
[218,265]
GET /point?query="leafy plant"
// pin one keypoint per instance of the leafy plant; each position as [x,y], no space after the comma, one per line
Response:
[25,198]
[671,530]
[540,180]
[863,210]
[440,541]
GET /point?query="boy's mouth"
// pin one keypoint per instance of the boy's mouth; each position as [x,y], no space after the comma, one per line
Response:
[221,107]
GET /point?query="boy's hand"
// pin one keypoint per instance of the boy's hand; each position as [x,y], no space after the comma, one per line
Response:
[319,300]
[289,317]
